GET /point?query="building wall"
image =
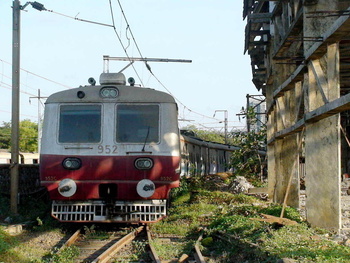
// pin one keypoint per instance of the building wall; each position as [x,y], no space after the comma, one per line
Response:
[322,181]
[306,80]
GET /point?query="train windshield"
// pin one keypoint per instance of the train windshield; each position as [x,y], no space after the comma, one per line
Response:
[80,124]
[137,123]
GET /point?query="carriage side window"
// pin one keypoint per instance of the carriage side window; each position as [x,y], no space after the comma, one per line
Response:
[80,124]
[137,123]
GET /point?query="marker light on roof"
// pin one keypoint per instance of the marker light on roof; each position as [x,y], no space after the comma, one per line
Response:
[109,92]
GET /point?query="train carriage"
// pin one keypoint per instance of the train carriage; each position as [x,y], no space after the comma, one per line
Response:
[113,152]
[202,157]
[110,153]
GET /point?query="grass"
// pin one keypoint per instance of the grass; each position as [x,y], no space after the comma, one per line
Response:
[171,250]
[224,219]
[66,255]
[230,234]
[36,221]
[7,242]
[20,248]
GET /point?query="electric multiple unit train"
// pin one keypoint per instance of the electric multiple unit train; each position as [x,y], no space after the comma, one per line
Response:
[112,152]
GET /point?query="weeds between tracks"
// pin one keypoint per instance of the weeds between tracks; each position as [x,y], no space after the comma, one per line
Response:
[229,235]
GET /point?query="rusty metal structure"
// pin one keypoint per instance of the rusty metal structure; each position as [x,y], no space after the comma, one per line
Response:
[300,59]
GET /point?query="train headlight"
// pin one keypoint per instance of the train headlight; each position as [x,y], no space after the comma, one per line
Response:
[67,187]
[144,163]
[145,188]
[71,163]
[109,92]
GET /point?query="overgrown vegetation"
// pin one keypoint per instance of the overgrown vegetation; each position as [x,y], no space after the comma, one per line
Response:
[28,136]
[233,233]
[67,255]
[228,223]
[231,224]
[249,160]
[34,216]
[206,135]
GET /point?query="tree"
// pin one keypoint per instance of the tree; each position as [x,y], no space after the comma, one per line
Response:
[28,141]
[248,160]
[28,132]
[5,135]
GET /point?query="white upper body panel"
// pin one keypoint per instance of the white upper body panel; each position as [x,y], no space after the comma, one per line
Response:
[165,141]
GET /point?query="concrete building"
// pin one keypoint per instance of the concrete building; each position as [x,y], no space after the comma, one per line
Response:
[300,57]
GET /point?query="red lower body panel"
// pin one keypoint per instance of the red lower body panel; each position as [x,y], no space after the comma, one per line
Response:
[99,173]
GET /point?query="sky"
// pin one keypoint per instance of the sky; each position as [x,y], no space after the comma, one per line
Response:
[59,52]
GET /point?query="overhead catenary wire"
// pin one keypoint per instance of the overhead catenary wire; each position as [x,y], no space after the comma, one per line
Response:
[121,42]
[128,29]
[79,19]
[9,87]
[183,105]
[100,24]
[39,76]
[147,65]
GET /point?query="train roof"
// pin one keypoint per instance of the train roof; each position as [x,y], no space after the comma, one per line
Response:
[91,93]
[189,136]
[214,145]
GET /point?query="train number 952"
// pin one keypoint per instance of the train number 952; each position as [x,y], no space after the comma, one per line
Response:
[107,149]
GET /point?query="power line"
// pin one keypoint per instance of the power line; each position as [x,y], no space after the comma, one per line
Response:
[149,68]
[121,42]
[9,87]
[36,75]
[81,20]
[1,82]
[5,111]
[101,24]
[128,28]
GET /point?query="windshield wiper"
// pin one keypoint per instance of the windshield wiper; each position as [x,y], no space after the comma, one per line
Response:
[144,145]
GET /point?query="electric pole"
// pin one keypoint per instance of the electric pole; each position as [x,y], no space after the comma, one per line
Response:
[16,9]
[225,122]
[40,104]
[16,45]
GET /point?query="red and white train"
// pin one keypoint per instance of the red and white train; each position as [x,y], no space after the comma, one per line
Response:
[112,152]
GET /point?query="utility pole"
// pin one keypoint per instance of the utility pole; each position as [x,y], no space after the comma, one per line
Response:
[225,121]
[254,106]
[40,104]
[15,105]
[16,47]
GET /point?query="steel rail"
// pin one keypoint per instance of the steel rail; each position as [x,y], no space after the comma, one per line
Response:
[109,253]
[198,254]
[152,251]
[70,240]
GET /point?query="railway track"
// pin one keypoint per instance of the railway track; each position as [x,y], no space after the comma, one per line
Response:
[121,245]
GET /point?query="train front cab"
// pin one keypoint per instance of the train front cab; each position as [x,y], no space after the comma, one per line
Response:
[113,173]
